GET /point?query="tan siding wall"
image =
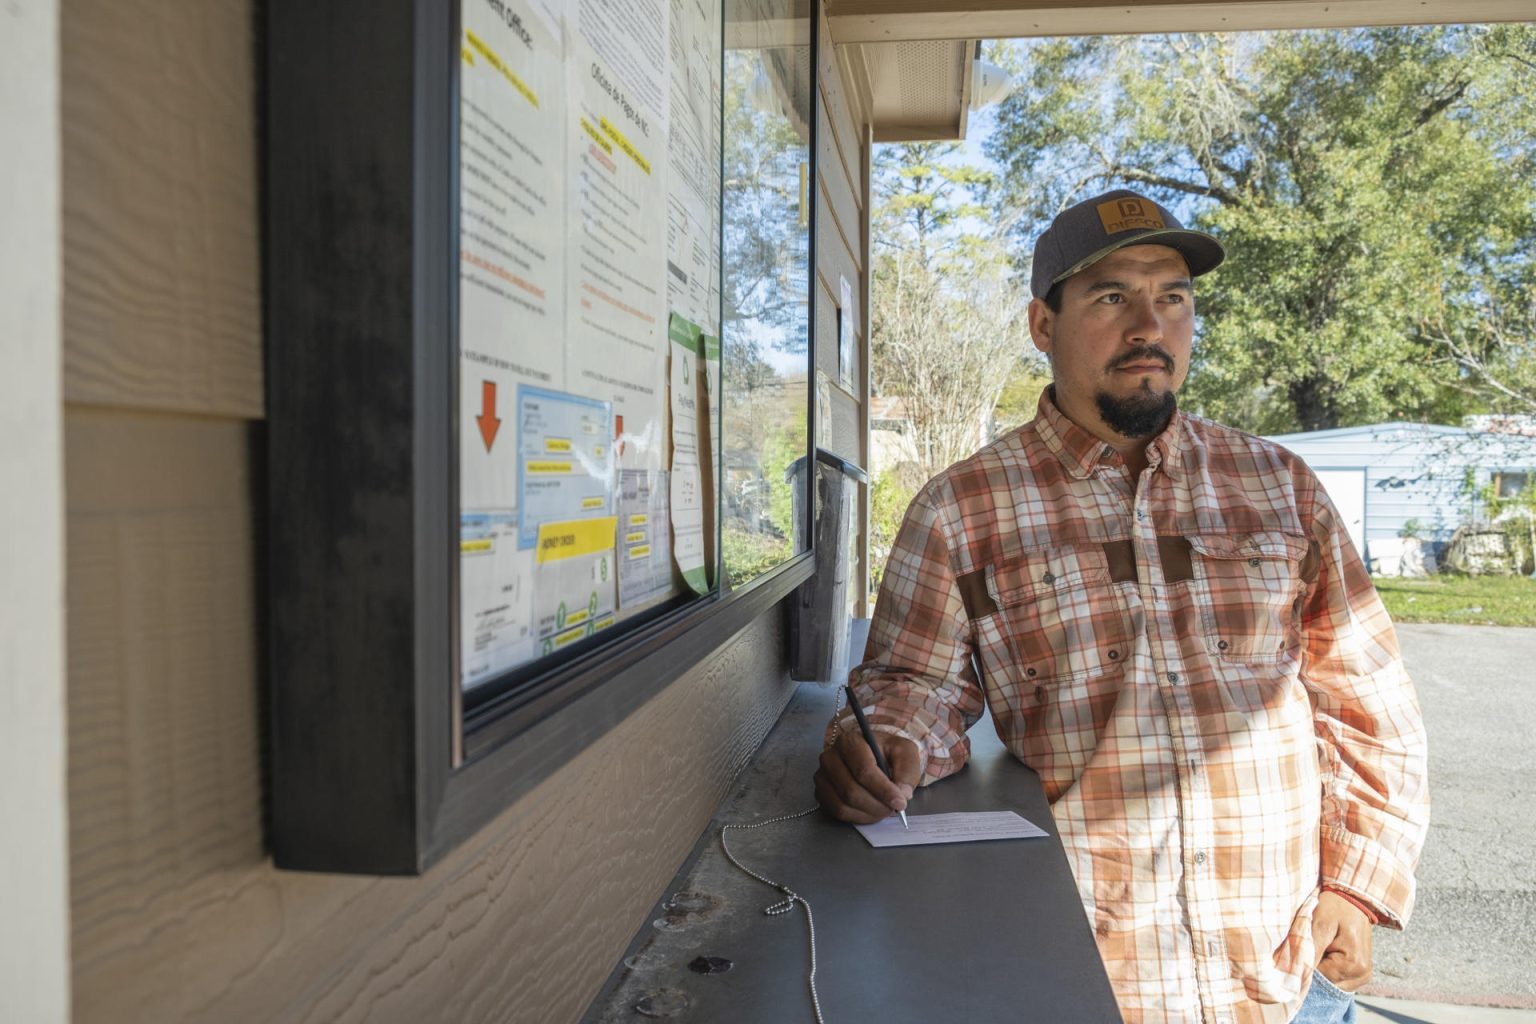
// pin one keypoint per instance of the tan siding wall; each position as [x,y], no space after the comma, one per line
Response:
[34,884]
[177,914]
[839,244]
[842,252]
[161,277]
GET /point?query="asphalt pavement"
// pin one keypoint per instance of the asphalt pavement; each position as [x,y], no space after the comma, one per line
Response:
[1472,938]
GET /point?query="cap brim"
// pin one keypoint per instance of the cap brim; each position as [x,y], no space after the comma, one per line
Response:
[1202,252]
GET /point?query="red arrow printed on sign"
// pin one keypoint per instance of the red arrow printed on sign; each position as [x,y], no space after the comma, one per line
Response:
[487,420]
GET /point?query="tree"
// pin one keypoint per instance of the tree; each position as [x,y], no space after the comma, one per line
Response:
[1375,189]
[948,324]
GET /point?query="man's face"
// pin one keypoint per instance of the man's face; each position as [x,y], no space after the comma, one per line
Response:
[1119,347]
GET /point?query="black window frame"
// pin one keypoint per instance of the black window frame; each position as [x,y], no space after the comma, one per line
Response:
[369,770]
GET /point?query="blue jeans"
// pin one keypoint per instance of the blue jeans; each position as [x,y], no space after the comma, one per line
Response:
[1326,1003]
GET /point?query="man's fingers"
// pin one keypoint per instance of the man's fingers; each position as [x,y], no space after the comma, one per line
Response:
[1344,971]
[840,790]
[905,760]
[832,801]
[1342,935]
[851,785]
[1324,928]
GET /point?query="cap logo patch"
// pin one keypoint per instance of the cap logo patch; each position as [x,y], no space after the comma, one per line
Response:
[1129,214]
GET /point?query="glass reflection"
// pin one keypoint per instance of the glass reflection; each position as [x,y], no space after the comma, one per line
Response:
[765,263]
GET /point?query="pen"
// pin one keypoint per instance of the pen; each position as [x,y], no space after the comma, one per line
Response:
[869,737]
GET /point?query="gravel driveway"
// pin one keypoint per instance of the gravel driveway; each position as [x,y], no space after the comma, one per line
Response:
[1473,933]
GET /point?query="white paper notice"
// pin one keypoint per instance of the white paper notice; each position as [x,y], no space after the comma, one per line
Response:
[511,308]
[630,37]
[687,483]
[693,186]
[574,581]
[968,827]
[615,346]
[645,537]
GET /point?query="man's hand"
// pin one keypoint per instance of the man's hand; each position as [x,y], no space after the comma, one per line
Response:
[1343,937]
[853,788]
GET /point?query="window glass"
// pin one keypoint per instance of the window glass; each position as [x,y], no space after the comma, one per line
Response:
[767,196]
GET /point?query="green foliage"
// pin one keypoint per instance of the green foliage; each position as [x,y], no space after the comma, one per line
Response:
[1485,600]
[888,501]
[1375,190]
[947,319]
[783,446]
[748,555]
[1017,403]
[1515,515]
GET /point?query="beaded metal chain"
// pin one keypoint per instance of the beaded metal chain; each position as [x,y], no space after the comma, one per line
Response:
[791,897]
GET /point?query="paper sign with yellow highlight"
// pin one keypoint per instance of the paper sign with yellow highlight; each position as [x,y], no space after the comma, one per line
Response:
[645,565]
[575,578]
[577,539]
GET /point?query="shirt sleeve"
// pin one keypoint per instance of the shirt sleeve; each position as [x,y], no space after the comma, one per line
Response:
[1372,748]
[917,679]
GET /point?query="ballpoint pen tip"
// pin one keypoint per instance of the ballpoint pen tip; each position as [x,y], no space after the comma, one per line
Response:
[904,819]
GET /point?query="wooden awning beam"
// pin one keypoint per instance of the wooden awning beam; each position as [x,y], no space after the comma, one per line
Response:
[889,21]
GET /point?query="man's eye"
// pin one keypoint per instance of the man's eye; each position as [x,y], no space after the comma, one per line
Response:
[1112,298]
[1174,297]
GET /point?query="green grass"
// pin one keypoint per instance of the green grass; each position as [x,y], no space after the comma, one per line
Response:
[1483,600]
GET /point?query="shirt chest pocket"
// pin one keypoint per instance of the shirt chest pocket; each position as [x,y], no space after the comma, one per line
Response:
[1062,615]
[1251,589]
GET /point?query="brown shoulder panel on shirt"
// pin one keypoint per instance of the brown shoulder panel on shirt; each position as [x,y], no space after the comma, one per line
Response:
[973,593]
[1311,563]
[1173,552]
[1121,557]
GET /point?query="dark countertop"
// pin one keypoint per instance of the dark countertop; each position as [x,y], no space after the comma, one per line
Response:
[976,932]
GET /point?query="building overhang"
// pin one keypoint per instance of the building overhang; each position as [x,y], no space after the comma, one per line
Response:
[919,90]
[912,60]
[898,21]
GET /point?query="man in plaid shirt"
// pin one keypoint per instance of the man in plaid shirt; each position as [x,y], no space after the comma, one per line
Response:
[1170,625]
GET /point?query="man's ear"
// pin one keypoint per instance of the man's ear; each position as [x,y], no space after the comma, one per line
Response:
[1042,325]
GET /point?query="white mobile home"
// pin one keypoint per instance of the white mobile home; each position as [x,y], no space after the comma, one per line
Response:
[1392,480]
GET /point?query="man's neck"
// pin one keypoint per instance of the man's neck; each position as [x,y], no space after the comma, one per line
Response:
[1133,451]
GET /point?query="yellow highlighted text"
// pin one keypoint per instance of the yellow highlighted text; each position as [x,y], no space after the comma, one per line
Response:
[506,72]
[624,144]
[576,538]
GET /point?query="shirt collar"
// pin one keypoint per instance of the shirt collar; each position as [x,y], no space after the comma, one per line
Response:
[1082,453]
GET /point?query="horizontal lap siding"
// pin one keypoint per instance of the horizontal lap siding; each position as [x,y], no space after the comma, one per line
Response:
[162,288]
[177,913]
[839,247]
[1414,475]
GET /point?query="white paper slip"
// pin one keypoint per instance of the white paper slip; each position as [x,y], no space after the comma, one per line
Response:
[968,827]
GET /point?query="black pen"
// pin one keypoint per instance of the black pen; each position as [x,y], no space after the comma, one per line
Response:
[869,737]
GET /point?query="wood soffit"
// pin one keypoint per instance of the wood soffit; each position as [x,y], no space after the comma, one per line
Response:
[912,59]
[895,21]
[917,90]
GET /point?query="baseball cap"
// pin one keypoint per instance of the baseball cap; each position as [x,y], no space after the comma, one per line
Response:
[1082,235]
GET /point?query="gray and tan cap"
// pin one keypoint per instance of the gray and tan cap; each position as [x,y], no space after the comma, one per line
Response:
[1082,235]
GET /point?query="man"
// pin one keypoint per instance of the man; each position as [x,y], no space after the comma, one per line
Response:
[1169,624]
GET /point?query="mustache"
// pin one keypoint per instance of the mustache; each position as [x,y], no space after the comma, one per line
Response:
[1143,354]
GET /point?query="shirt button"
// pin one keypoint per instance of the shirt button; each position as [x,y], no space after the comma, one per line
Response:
[1200,857]
[1113,655]
[1141,515]
[1253,562]
[1173,677]
[1222,645]
[1029,672]
[1048,578]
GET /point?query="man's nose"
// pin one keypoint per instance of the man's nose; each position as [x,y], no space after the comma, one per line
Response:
[1145,326]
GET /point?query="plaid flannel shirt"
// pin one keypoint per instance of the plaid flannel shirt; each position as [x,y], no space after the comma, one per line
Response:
[1200,671]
